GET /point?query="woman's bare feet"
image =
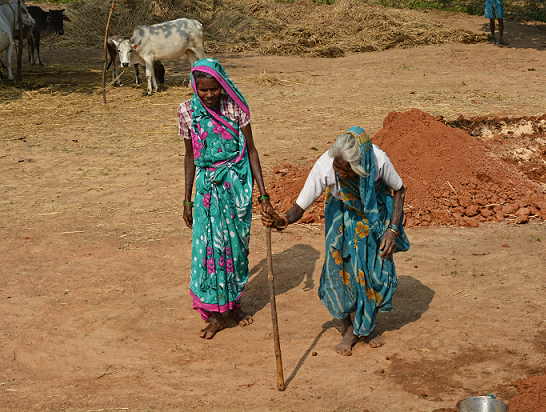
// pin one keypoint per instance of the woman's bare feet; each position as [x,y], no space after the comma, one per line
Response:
[349,339]
[375,340]
[240,317]
[216,324]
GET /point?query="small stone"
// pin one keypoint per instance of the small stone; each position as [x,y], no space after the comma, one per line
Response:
[314,354]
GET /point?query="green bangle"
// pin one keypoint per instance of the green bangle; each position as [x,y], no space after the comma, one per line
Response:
[262,197]
[188,203]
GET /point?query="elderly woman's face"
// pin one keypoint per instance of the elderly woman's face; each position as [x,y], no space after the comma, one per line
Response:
[209,91]
[343,169]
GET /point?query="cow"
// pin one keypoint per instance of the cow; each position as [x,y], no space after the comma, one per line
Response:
[46,23]
[163,41]
[112,44]
[9,22]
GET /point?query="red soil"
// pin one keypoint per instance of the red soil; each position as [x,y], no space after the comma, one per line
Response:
[451,179]
[532,397]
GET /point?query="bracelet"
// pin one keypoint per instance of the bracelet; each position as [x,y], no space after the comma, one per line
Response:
[262,197]
[394,231]
[188,203]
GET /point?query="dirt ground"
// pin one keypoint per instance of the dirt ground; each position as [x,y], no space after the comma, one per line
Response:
[94,303]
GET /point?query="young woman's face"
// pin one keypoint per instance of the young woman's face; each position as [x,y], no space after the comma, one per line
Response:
[343,169]
[209,91]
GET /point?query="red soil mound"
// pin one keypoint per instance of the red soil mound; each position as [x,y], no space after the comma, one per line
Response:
[532,397]
[451,179]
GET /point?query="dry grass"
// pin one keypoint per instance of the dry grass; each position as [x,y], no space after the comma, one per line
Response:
[264,26]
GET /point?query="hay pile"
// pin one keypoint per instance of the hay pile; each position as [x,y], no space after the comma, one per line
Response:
[268,27]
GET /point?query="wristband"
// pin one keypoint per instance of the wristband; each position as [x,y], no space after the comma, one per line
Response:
[188,203]
[262,197]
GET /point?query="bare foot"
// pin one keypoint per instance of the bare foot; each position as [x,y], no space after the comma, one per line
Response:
[375,340]
[240,317]
[349,339]
[216,324]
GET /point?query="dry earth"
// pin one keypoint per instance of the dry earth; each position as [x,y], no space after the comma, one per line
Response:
[95,312]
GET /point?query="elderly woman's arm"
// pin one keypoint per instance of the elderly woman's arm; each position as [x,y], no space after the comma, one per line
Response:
[388,243]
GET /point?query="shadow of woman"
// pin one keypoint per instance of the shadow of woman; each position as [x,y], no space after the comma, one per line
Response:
[291,267]
[411,300]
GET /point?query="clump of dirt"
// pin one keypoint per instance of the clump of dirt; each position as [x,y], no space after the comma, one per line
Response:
[451,178]
[532,395]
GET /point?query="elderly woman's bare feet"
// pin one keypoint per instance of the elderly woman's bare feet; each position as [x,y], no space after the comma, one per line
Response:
[375,340]
[216,324]
[240,317]
[345,348]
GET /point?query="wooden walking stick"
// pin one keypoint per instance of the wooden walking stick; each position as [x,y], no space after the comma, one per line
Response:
[270,277]
[106,53]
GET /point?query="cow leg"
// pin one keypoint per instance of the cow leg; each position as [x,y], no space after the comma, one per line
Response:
[137,80]
[2,65]
[150,77]
[115,70]
[37,47]
[30,42]
[8,60]
[192,56]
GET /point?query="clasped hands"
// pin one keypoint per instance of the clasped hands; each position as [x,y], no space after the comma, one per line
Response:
[270,218]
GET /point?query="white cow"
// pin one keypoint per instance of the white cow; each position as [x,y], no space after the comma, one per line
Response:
[9,22]
[164,41]
[112,45]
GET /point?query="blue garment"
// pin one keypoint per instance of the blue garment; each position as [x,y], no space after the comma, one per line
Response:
[493,9]
[354,277]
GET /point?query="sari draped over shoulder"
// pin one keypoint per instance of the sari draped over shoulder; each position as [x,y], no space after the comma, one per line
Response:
[222,203]
[354,277]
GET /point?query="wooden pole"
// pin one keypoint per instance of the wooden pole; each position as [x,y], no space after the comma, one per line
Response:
[270,277]
[106,53]
[20,49]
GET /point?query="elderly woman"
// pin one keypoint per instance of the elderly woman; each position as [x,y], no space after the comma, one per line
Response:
[220,153]
[363,224]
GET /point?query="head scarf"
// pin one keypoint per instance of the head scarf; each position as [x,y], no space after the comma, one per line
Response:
[207,121]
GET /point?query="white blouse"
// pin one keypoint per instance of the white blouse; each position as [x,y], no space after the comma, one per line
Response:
[323,175]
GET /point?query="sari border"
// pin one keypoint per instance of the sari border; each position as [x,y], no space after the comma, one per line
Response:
[205,308]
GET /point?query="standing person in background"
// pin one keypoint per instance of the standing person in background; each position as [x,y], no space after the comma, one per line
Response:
[363,223]
[493,10]
[220,152]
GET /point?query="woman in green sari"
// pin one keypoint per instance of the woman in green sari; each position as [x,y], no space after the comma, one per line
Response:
[222,158]
[363,222]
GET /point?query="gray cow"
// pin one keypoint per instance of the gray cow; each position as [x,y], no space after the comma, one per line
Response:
[164,41]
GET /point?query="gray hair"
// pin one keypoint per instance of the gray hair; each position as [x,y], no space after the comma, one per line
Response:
[199,74]
[347,148]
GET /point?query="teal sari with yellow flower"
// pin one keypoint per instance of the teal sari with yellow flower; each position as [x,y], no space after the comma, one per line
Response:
[354,277]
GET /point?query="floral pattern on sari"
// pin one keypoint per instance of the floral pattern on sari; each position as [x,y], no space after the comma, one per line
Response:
[222,203]
[355,225]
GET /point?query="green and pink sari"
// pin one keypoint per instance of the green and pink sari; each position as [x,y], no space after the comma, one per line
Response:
[223,201]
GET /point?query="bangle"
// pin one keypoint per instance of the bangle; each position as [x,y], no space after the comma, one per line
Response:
[394,231]
[188,203]
[262,197]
